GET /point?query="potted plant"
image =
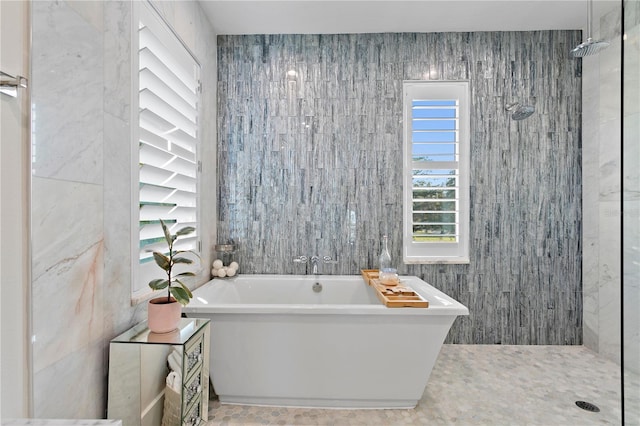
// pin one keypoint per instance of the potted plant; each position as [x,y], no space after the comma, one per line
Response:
[164,312]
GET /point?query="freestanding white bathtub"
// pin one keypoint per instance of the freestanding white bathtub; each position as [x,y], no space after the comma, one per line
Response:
[274,341]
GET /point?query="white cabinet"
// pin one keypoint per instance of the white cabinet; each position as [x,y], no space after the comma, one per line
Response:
[138,368]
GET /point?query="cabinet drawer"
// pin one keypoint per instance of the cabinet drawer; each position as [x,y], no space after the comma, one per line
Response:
[192,390]
[193,355]
[193,417]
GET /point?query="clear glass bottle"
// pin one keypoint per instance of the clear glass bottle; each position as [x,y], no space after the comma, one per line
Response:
[387,274]
[385,256]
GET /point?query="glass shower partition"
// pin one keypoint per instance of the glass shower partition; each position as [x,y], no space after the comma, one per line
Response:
[631,212]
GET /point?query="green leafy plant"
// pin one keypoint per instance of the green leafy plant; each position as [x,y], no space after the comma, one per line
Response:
[180,292]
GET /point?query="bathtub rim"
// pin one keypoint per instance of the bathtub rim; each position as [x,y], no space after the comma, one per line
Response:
[453,307]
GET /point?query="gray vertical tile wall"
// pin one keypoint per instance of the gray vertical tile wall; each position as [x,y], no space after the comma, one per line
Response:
[311,164]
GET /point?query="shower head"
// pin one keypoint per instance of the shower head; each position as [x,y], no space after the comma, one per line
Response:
[520,112]
[589,47]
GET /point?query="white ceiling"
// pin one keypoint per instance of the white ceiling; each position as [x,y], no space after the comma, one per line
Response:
[364,16]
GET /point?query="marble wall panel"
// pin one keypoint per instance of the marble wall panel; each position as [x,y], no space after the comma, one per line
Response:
[609,279]
[117,62]
[118,314]
[67,77]
[332,186]
[67,209]
[81,197]
[631,288]
[602,191]
[610,159]
[91,12]
[73,387]
[590,290]
[66,284]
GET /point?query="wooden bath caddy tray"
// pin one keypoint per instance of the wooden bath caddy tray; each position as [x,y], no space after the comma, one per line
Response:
[395,296]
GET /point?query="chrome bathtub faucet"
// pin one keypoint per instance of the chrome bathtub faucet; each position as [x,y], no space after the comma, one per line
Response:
[314,261]
[327,259]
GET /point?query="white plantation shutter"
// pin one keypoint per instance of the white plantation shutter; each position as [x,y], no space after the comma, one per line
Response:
[168,96]
[436,172]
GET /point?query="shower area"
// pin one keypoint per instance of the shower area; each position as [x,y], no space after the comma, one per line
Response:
[608,284]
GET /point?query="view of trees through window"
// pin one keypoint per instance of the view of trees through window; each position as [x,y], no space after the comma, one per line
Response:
[434,128]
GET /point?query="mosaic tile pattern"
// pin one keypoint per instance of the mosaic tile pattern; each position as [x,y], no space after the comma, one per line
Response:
[310,163]
[481,385]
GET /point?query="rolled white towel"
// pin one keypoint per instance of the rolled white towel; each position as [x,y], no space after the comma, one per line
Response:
[174,381]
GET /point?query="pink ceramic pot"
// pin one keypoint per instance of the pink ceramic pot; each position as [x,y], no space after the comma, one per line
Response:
[163,316]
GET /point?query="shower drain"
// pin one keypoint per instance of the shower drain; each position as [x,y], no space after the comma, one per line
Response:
[588,406]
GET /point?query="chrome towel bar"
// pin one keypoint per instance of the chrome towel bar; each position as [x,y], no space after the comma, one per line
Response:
[9,84]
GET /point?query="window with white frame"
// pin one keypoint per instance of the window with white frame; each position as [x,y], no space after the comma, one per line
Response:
[167,176]
[436,172]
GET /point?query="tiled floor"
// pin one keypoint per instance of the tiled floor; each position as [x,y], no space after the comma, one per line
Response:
[481,385]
